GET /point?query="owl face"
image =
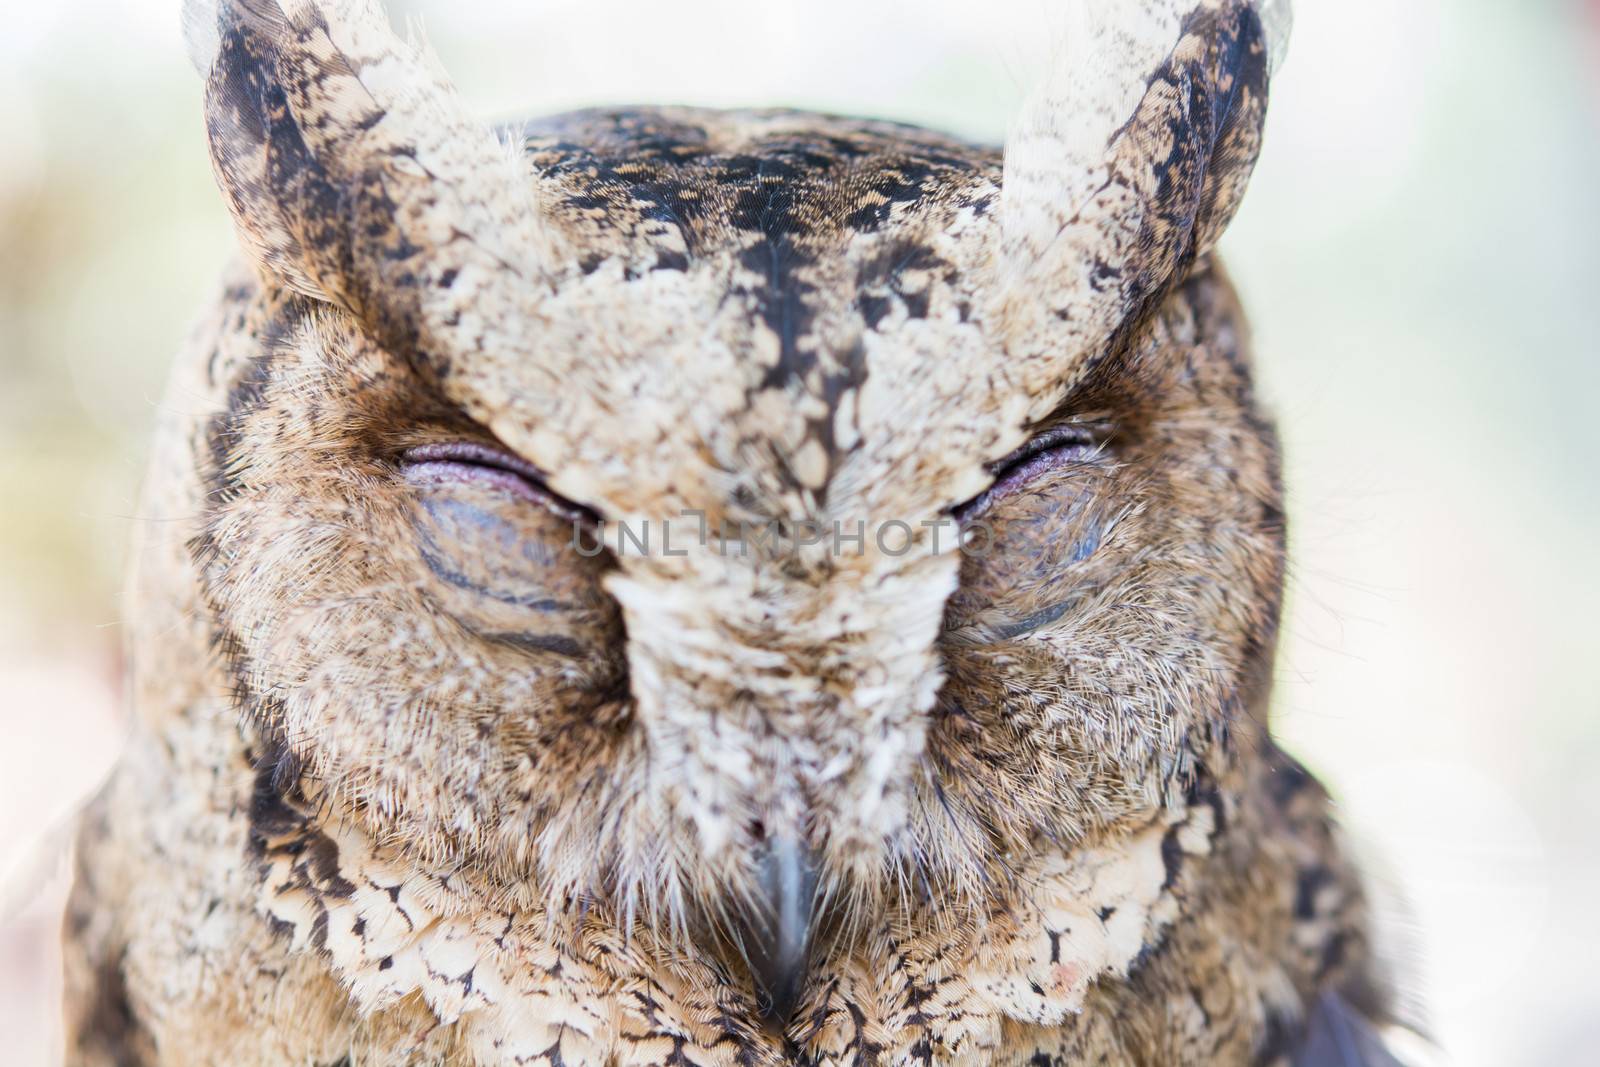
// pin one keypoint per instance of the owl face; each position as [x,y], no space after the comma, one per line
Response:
[666,510]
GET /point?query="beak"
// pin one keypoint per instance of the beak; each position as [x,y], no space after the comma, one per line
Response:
[776,936]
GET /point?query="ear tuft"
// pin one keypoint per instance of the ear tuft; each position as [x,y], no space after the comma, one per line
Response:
[1277,20]
[353,172]
[201,37]
[1126,166]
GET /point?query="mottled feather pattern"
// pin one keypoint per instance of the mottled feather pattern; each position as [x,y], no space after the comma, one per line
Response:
[419,779]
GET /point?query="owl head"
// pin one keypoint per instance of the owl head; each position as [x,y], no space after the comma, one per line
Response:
[713,514]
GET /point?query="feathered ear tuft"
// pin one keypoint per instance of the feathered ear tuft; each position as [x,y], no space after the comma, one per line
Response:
[353,172]
[1127,164]
[1277,19]
[201,35]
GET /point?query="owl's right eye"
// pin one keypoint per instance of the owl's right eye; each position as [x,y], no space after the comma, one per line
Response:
[474,464]
[506,570]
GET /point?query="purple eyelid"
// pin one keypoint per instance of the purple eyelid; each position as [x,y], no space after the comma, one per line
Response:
[468,463]
[444,472]
[1032,467]
[473,453]
[1039,457]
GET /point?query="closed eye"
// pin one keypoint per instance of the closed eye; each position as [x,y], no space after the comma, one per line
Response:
[472,463]
[1055,448]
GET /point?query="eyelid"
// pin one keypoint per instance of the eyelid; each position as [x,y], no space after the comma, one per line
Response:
[456,461]
[474,453]
[1045,452]
[1048,440]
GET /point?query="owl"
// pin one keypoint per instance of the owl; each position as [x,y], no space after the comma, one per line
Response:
[688,587]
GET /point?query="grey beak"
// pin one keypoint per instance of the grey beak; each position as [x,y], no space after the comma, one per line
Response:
[776,938]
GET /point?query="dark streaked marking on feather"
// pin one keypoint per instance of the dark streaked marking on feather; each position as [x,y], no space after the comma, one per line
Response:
[555,644]
[1031,622]
[1335,1036]
[448,574]
[437,558]
[110,1028]
[778,202]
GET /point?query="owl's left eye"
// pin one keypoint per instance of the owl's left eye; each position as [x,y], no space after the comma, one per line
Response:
[1050,451]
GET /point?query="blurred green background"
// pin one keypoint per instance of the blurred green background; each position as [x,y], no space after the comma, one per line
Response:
[1421,256]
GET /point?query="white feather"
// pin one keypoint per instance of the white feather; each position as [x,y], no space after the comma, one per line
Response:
[202,36]
[1277,17]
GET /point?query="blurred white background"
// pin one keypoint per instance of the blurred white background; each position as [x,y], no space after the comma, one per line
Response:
[1421,255]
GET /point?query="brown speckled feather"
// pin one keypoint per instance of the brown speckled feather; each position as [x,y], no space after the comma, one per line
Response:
[921,720]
